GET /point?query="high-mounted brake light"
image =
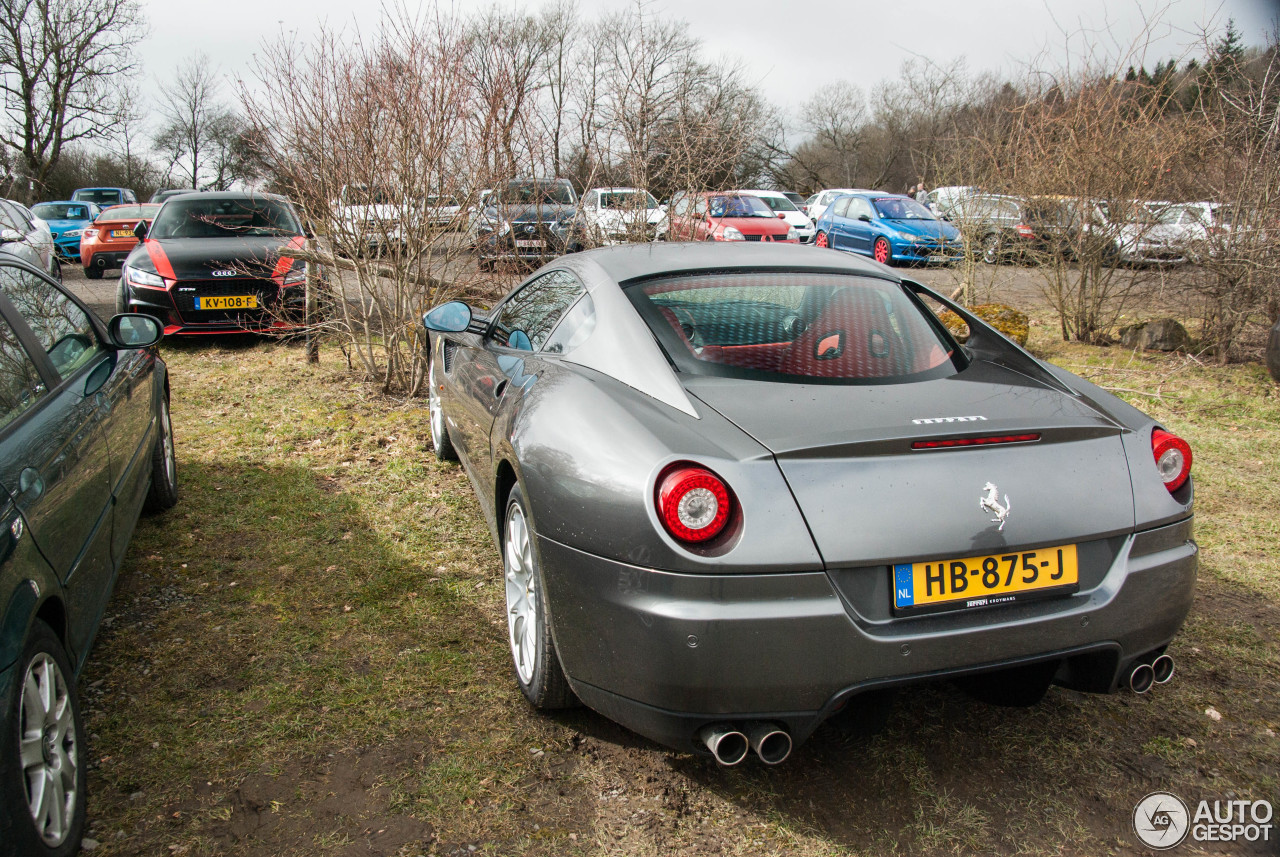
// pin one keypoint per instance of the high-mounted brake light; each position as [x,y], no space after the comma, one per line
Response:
[951,442]
[693,503]
[1173,458]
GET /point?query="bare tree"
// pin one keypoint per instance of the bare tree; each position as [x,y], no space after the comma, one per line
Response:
[1238,166]
[384,117]
[64,69]
[193,117]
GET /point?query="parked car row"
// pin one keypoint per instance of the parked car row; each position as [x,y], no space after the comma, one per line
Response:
[1009,228]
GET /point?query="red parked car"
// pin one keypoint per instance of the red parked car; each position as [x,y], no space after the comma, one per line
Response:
[726,216]
[106,244]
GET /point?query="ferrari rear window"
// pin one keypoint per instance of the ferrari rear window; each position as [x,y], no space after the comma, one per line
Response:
[800,328]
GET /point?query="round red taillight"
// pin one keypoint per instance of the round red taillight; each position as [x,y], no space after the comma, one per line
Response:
[693,503]
[1173,458]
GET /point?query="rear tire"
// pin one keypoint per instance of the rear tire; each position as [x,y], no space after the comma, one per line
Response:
[59,763]
[55,268]
[163,493]
[533,648]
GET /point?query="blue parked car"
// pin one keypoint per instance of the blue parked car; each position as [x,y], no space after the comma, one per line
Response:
[67,222]
[889,228]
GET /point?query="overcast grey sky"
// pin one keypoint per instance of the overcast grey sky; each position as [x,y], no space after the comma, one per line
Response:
[788,48]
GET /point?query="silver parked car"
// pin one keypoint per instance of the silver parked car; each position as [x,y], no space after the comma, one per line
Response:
[28,237]
[736,487]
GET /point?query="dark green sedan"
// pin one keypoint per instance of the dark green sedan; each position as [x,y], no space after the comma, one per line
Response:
[85,446]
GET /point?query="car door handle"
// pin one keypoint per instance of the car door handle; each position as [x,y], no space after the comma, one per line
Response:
[30,484]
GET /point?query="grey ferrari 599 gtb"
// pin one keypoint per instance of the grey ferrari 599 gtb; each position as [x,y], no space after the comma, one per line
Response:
[736,487]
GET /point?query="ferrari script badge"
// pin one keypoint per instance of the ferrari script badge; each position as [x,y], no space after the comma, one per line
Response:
[990,502]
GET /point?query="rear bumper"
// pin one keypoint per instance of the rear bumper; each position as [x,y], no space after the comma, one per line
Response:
[105,258]
[665,654]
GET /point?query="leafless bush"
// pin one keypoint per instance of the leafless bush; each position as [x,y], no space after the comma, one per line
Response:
[368,137]
[1238,111]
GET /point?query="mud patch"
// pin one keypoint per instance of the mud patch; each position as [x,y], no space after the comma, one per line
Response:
[340,799]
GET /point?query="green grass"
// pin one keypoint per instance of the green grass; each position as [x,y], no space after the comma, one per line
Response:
[307,657]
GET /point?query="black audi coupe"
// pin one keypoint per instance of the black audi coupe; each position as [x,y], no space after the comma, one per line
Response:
[210,263]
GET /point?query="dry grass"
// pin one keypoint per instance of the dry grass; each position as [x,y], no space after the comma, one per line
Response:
[305,658]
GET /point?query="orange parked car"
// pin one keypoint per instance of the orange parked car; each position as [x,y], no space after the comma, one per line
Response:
[108,241]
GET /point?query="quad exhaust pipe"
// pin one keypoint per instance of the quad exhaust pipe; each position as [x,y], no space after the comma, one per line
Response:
[770,742]
[727,744]
[1144,676]
[730,744]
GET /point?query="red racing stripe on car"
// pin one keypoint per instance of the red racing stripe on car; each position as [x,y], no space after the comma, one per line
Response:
[163,267]
[285,263]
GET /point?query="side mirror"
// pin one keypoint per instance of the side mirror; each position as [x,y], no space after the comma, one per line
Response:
[453,317]
[9,236]
[134,330]
[866,218]
[140,230]
[781,216]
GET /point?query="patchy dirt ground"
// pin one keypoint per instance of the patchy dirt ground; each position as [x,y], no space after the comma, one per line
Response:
[307,657]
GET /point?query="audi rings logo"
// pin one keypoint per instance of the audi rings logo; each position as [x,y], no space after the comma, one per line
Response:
[1161,821]
[225,272]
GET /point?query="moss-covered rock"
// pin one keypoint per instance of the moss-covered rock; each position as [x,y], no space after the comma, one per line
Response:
[1004,318]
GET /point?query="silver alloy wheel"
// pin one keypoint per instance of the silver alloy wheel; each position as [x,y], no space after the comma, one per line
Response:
[170,457]
[522,596]
[437,413]
[48,749]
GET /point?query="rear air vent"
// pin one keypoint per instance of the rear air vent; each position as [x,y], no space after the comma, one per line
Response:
[990,440]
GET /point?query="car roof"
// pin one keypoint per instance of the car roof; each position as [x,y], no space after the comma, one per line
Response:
[638,261]
[228,194]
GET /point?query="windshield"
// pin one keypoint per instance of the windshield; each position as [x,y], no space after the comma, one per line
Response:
[778,203]
[365,195]
[60,211]
[738,206]
[627,199]
[794,197]
[100,195]
[225,218]
[534,193]
[796,328]
[901,208]
[130,213]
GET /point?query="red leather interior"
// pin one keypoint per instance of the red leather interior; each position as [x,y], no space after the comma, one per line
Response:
[851,338]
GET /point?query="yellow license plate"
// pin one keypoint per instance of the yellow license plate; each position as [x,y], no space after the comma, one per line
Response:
[122,233]
[982,581]
[232,302]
